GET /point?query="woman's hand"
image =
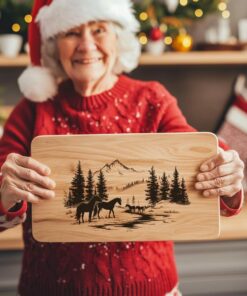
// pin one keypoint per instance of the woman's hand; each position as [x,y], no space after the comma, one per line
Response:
[221,175]
[24,178]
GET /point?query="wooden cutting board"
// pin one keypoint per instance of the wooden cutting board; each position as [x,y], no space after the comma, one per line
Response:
[146,179]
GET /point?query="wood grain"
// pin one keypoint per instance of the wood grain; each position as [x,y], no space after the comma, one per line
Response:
[52,222]
[232,228]
[168,58]
[195,58]
[21,60]
[11,239]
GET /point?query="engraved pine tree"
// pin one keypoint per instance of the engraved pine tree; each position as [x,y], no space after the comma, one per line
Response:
[164,188]
[101,187]
[175,187]
[184,199]
[76,190]
[152,188]
[90,186]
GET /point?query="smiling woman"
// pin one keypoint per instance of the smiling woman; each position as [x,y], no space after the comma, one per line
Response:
[115,49]
[110,30]
[88,55]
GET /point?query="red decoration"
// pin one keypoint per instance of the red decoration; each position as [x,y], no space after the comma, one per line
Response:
[156,34]
[17,213]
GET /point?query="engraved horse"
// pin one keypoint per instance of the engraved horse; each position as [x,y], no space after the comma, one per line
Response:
[136,209]
[109,205]
[86,207]
[131,209]
[140,209]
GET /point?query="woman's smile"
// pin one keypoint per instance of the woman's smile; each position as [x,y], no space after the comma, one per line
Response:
[86,61]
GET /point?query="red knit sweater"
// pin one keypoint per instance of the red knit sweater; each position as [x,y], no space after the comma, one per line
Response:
[140,268]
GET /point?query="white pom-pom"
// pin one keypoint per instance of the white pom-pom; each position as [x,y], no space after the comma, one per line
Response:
[37,84]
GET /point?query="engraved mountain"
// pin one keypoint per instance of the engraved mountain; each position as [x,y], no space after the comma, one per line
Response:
[117,168]
[120,177]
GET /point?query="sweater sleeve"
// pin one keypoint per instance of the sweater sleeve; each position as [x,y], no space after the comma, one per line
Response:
[17,136]
[172,120]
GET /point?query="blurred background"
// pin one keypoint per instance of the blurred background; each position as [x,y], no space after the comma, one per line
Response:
[198,50]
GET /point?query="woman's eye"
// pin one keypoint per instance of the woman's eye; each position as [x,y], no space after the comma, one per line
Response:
[99,30]
[72,33]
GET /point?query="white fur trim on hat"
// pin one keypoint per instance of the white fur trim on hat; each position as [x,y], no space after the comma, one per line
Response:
[37,84]
[62,15]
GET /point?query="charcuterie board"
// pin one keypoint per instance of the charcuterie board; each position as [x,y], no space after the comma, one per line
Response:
[125,187]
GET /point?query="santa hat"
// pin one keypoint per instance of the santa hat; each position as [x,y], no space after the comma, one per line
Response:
[38,83]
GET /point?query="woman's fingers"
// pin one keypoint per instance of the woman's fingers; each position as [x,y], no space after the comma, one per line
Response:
[217,182]
[224,191]
[222,157]
[219,171]
[37,191]
[13,169]
[29,163]
[34,177]
[29,192]
[15,193]
[221,175]
[227,185]
[24,178]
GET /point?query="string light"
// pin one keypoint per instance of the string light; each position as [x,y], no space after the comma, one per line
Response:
[143,16]
[183,2]
[168,40]
[163,28]
[28,18]
[195,0]
[187,42]
[143,39]
[198,12]
[222,6]
[226,14]
[16,27]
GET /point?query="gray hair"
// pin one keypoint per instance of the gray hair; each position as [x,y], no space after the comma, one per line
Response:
[129,50]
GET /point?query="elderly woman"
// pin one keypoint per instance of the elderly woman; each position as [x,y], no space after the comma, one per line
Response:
[75,86]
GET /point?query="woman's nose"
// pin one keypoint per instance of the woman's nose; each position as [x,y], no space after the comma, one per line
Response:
[86,41]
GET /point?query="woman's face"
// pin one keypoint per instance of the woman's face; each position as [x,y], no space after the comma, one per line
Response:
[88,52]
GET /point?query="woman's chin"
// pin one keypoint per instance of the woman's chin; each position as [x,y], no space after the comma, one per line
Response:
[88,66]
[89,72]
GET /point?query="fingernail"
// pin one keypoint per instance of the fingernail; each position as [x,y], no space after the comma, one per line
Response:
[47,171]
[200,177]
[198,186]
[52,184]
[204,168]
[35,200]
